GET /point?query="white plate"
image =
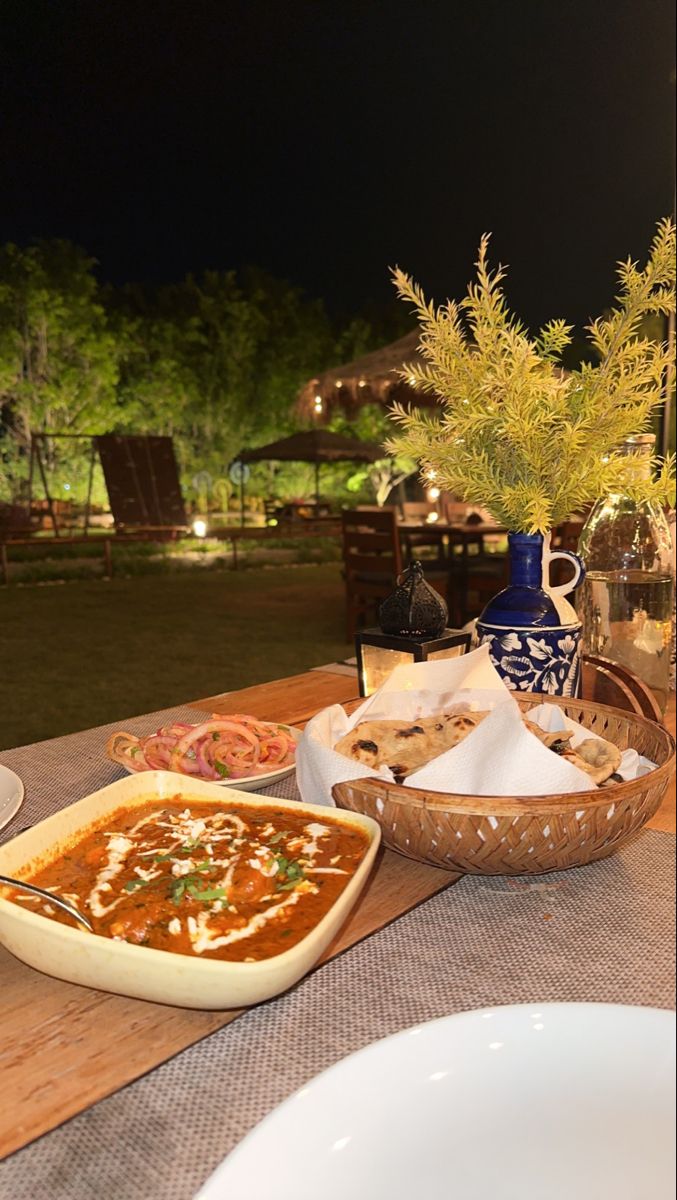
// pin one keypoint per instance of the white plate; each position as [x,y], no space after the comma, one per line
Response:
[248,783]
[528,1102]
[11,795]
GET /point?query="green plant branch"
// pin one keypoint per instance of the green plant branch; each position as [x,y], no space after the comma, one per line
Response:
[514,432]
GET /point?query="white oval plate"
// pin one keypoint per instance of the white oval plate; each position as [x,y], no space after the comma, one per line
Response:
[11,795]
[527,1102]
[248,783]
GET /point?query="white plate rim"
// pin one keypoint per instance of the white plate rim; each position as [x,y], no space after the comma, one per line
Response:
[213,1187]
[246,782]
[13,798]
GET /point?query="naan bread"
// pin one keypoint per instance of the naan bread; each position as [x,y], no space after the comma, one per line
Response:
[597,757]
[403,746]
[555,739]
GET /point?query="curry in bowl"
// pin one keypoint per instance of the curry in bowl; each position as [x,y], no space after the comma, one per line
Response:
[234,881]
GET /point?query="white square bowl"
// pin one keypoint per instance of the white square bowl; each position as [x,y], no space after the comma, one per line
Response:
[158,975]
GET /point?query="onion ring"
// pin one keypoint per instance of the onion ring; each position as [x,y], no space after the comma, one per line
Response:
[232,747]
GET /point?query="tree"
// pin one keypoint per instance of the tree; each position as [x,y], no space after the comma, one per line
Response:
[371,424]
[58,359]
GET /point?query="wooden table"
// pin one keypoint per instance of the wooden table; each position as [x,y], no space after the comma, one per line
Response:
[61,1060]
[458,534]
[56,1039]
[455,528]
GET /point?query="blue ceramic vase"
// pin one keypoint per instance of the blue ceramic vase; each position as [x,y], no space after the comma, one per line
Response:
[533,632]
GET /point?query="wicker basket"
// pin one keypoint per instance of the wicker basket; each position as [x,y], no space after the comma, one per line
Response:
[523,835]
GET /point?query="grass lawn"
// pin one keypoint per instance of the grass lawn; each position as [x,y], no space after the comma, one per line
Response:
[86,652]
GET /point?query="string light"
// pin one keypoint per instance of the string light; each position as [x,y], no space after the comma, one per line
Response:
[433,494]
[318,403]
[362,383]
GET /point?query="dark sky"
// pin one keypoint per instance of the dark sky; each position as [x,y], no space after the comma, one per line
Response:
[327,139]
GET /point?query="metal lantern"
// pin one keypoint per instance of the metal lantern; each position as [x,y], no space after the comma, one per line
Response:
[412,628]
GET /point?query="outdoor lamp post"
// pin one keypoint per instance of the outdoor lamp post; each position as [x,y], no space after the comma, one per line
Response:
[412,628]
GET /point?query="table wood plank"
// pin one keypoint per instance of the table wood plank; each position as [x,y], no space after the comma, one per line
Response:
[63,1047]
[666,817]
[293,700]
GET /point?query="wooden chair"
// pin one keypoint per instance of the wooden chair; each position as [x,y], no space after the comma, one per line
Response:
[472,584]
[608,682]
[475,576]
[426,544]
[372,560]
[565,536]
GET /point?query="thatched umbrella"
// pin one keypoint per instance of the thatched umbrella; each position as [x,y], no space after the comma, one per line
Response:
[372,377]
[314,446]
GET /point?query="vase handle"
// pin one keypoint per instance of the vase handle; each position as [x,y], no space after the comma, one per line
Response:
[577,578]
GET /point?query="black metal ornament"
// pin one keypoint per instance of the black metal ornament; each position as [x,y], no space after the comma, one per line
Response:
[414,608]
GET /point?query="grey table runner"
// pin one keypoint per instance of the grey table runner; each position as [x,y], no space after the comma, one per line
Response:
[602,933]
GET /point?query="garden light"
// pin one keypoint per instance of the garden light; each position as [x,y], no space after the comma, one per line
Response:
[200,528]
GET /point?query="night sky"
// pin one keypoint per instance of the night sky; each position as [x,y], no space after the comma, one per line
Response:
[326,139]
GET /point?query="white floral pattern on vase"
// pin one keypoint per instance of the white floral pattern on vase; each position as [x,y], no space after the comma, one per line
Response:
[536,660]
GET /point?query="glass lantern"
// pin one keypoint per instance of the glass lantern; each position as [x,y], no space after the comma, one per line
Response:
[379,653]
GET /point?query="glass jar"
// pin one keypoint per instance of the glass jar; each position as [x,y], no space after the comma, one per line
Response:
[626,601]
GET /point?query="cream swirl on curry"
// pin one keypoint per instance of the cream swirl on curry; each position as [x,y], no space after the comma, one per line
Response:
[233,882]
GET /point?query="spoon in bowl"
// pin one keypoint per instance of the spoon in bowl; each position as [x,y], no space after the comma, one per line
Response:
[38,891]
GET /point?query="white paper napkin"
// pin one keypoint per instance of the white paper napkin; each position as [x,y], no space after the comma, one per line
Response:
[500,757]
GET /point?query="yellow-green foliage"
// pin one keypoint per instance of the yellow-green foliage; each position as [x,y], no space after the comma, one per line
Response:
[512,431]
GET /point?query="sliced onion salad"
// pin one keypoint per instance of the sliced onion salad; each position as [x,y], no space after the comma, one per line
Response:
[232,747]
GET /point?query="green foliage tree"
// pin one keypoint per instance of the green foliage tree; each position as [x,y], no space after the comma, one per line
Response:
[58,358]
[512,432]
[373,481]
[216,362]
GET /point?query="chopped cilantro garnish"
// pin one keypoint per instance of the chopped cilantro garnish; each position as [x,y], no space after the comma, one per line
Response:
[177,890]
[288,870]
[190,883]
[133,884]
[278,837]
[187,848]
[217,893]
[222,769]
[288,867]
